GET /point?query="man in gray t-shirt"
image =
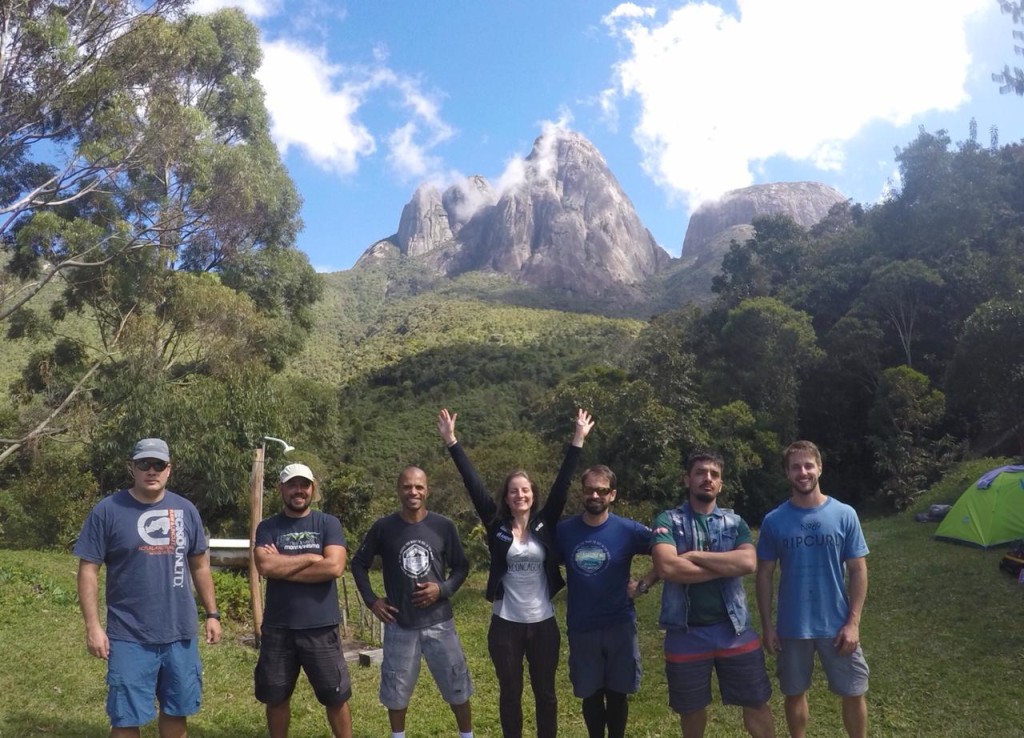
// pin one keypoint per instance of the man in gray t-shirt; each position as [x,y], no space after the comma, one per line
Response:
[154,547]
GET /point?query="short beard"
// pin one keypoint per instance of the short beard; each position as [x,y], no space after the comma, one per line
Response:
[703,496]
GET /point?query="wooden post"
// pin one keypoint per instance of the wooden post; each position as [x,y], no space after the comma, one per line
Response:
[256,508]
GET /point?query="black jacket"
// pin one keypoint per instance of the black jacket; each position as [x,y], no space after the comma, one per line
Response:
[499,532]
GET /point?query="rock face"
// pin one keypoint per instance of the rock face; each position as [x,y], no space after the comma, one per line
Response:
[805,202]
[564,223]
[560,221]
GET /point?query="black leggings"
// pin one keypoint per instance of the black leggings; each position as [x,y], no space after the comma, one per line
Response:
[508,643]
[606,708]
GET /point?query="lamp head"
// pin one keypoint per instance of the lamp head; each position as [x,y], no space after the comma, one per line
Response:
[287,446]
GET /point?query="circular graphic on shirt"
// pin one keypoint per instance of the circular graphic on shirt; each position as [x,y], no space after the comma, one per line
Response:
[590,557]
[157,526]
[414,558]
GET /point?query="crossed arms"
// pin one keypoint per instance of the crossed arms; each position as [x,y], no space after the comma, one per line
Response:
[306,568]
[695,567]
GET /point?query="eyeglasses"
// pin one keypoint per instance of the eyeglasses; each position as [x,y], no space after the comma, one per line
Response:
[603,491]
[147,464]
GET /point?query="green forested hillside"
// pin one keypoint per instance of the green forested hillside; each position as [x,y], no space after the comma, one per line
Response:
[890,333]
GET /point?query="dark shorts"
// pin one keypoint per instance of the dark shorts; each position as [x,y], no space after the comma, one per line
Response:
[139,674]
[690,656]
[606,658]
[317,651]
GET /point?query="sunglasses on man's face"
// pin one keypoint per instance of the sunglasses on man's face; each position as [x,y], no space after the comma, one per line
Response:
[147,464]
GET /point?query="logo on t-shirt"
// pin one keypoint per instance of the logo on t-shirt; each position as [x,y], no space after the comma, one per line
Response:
[160,527]
[414,558]
[305,540]
[163,532]
[590,557]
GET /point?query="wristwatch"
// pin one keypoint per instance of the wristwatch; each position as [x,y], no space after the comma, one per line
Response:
[213,614]
[642,586]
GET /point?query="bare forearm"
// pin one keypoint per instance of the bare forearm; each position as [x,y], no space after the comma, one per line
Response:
[283,566]
[331,566]
[88,596]
[764,589]
[202,579]
[858,590]
[736,563]
[672,567]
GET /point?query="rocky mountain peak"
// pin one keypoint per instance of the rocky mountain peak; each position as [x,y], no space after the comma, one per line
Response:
[805,202]
[561,220]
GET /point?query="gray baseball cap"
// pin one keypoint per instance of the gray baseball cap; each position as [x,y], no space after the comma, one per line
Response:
[151,448]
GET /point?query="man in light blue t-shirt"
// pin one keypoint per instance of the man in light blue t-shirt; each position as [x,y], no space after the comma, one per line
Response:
[818,543]
[154,547]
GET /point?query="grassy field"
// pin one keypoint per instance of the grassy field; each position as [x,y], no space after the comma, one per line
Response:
[942,633]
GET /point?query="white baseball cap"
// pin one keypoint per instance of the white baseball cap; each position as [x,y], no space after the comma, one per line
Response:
[296,470]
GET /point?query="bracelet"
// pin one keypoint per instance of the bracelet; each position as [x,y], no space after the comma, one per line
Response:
[213,614]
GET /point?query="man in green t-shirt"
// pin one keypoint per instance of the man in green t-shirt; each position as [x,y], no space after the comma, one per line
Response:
[702,552]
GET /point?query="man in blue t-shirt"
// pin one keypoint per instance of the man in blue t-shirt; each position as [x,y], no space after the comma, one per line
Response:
[597,548]
[154,547]
[301,552]
[818,543]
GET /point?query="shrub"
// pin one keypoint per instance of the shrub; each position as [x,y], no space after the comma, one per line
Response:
[233,596]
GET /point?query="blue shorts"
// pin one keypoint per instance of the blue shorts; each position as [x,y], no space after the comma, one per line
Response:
[138,674]
[400,669]
[691,654]
[847,675]
[606,658]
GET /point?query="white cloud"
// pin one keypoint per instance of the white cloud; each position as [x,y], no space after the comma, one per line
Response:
[252,8]
[315,108]
[409,158]
[517,171]
[720,94]
[309,111]
[630,11]
[411,143]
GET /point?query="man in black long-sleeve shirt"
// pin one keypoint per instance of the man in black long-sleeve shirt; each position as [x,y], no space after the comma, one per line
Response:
[424,565]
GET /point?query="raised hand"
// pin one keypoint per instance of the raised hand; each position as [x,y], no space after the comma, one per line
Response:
[582,427]
[446,426]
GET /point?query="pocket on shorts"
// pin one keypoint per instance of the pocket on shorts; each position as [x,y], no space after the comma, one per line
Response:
[199,686]
[119,706]
[389,688]
[460,688]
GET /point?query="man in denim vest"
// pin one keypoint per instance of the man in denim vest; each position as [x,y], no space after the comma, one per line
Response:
[701,552]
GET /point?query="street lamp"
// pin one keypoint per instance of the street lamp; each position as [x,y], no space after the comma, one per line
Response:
[287,446]
[256,515]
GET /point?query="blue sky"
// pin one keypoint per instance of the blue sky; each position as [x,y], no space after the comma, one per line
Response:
[685,100]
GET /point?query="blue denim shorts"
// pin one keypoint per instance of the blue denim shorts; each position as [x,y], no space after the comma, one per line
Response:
[140,674]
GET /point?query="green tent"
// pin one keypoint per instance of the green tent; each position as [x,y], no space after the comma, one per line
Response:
[987,516]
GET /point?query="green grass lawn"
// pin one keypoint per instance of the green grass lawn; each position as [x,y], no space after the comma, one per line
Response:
[942,632]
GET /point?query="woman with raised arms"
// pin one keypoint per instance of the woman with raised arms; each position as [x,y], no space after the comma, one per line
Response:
[524,576]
